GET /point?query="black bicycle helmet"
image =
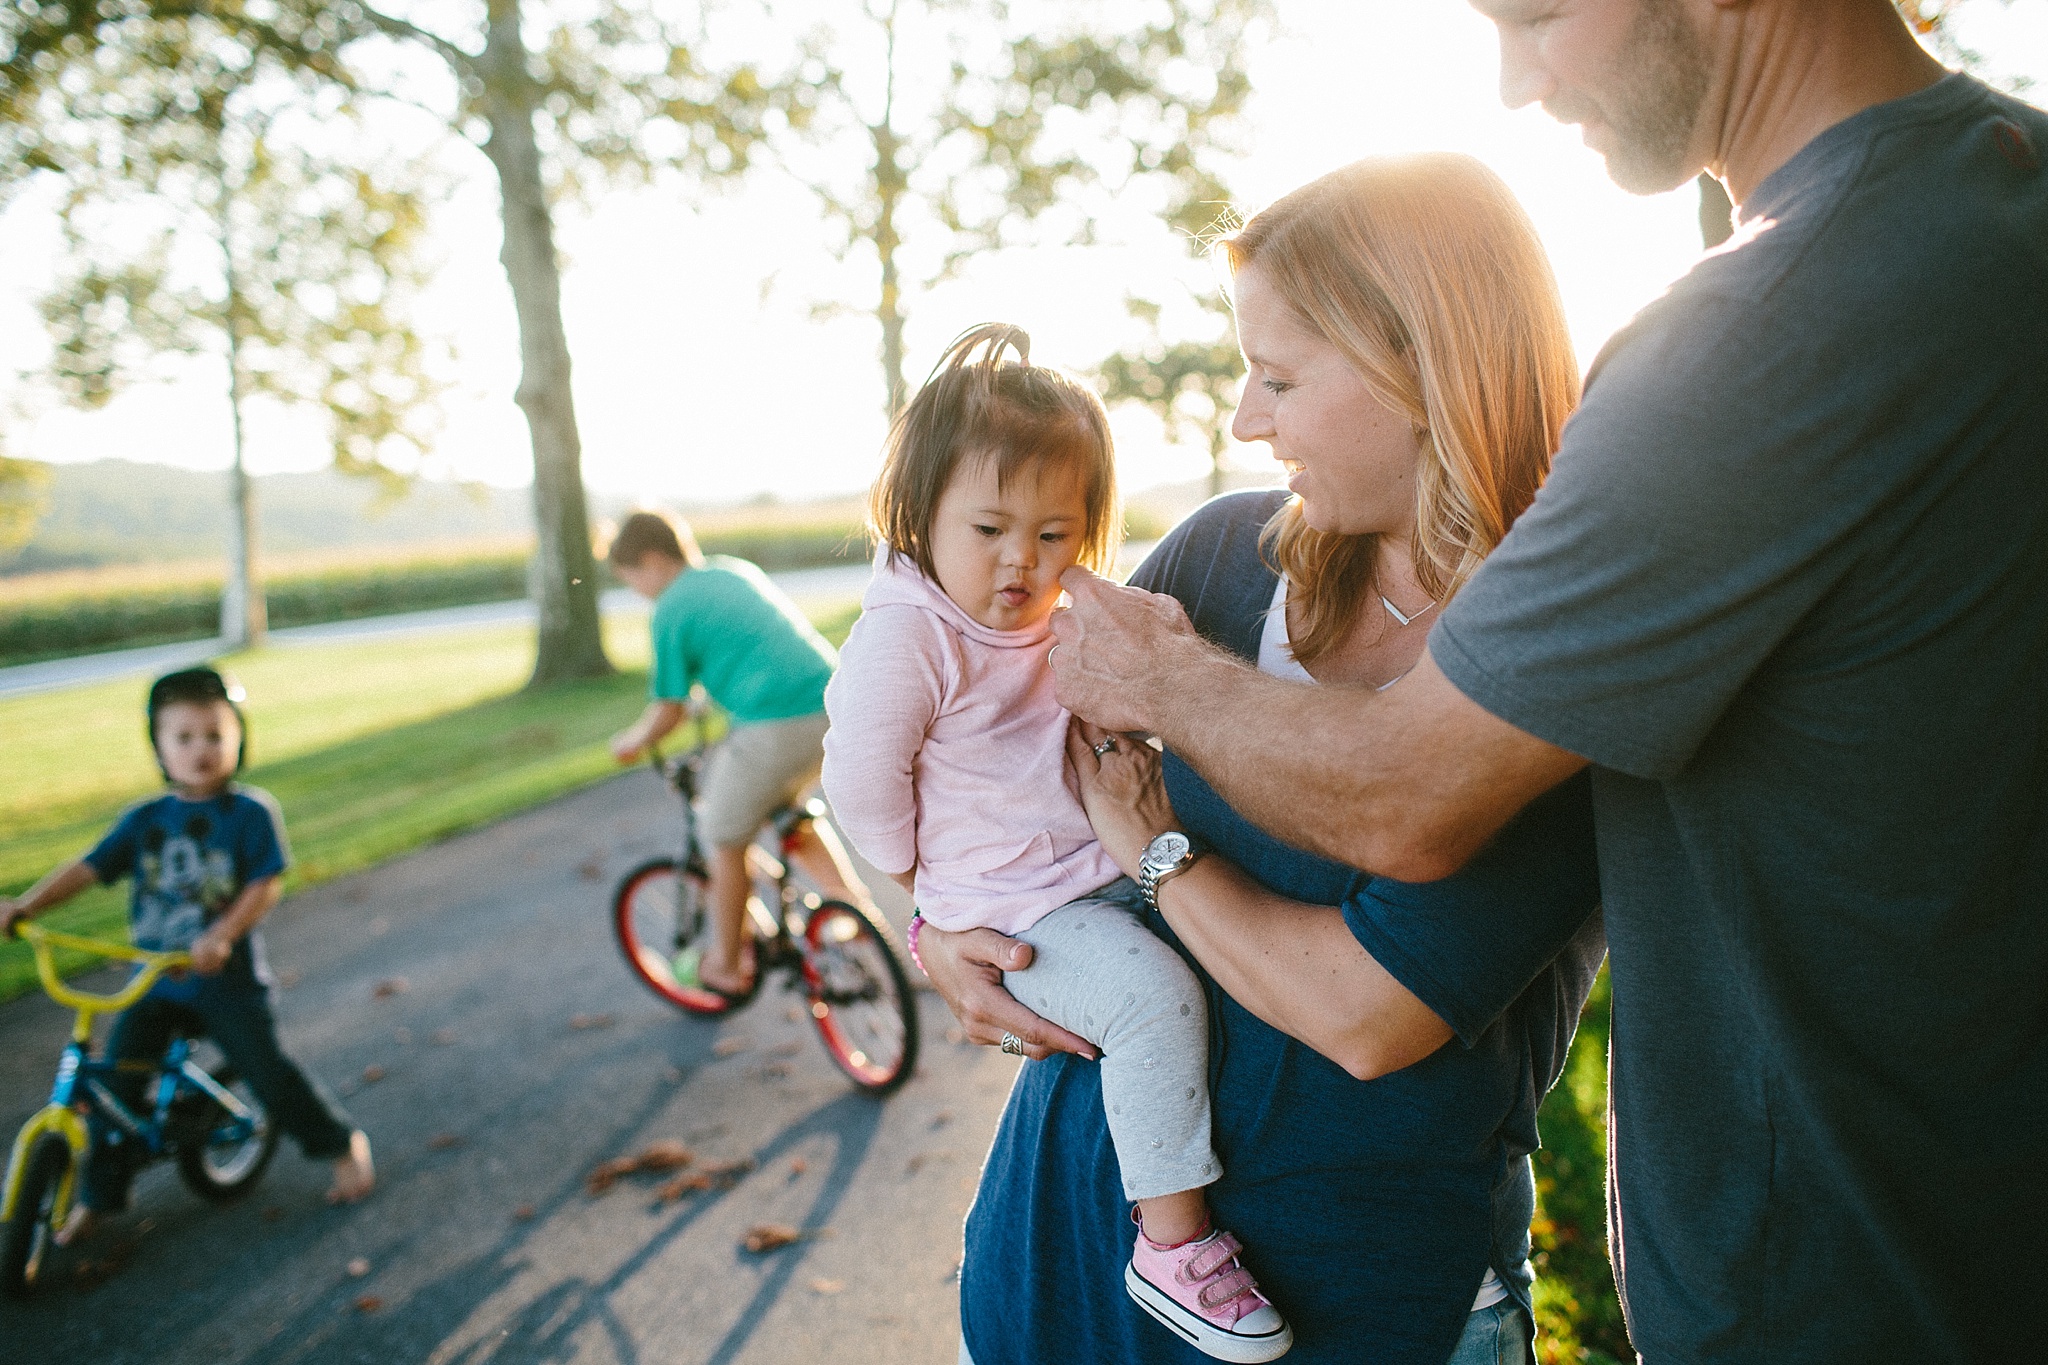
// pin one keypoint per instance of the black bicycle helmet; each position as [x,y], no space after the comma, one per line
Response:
[202,685]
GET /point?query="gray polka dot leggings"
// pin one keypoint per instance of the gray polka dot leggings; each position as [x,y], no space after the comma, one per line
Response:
[1098,971]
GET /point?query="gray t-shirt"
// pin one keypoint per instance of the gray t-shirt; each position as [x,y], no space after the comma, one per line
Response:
[1787,589]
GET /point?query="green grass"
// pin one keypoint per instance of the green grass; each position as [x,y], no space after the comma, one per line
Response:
[372,748]
[1578,1312]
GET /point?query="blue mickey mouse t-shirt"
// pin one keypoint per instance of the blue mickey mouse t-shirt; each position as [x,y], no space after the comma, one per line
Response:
[189,860]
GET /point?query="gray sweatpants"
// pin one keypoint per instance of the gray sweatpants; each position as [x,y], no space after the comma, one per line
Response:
[1098,971]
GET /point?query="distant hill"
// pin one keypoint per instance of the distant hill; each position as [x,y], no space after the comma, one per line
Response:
[125,512]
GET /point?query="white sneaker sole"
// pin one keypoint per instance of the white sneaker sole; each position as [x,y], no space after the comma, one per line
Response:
[1206,1337]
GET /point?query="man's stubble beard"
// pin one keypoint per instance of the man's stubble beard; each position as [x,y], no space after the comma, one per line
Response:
[1654,105]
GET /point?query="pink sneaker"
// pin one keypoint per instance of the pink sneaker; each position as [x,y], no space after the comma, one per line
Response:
[1199,1290]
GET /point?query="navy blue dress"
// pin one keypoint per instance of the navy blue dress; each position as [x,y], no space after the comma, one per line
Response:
[1370,1210]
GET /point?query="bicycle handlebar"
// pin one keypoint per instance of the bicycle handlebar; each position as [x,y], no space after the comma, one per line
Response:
[154,964]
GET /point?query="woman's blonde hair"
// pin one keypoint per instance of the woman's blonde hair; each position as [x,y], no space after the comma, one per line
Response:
[978,405]
[1427,275]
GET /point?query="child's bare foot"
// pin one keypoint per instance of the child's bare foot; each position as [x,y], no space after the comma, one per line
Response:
[79,1226]
[734,979]
[354,1175]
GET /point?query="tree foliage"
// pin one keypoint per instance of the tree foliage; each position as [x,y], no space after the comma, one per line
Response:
[24,494]
[982,127]
[557,97]
[1190,385]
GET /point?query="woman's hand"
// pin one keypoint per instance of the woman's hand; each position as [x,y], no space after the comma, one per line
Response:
[967,970]
[1121,789]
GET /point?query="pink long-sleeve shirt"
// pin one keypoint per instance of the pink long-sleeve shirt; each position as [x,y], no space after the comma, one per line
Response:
[947,754]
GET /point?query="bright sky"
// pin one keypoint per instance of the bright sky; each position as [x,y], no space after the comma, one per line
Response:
[702,375]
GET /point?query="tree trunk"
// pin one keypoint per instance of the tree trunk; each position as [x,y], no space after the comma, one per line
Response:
[571,643]
[889,187]
[244,616]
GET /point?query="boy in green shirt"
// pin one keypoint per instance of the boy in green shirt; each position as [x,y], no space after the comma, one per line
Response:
[720,623]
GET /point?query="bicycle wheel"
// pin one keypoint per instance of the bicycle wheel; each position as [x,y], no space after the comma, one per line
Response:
[30,1236]
[221,1156]
[658,915]
[860,997]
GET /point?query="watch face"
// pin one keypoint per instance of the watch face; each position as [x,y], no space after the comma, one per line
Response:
[1168,849]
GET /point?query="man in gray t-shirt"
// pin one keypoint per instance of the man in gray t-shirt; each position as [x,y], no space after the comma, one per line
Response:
[1787,592]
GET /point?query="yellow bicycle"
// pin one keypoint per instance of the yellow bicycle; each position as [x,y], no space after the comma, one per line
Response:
[203,1116]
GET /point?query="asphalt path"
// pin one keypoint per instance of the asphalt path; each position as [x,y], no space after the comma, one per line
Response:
[837,582]
[517,1057]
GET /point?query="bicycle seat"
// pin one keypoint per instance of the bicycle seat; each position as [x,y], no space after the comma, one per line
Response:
[789,817]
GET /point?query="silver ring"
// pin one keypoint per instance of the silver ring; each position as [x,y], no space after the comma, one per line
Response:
[1108,746]
[1011,1043]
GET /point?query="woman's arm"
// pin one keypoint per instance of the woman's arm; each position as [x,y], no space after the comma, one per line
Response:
[1297,967]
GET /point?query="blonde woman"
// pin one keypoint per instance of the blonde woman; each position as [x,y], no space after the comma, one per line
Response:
[1378,1049]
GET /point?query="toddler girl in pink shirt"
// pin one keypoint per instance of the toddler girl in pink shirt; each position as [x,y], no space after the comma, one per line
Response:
[946,765]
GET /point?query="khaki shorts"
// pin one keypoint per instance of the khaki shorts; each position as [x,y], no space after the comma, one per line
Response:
[758,768]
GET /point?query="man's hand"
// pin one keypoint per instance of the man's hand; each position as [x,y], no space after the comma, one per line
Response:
[627,744]
[210,952]
[1117,646]
[967,970]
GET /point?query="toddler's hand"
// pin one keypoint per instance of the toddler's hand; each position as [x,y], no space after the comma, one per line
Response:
[210,952]
[625,748]
[11,914]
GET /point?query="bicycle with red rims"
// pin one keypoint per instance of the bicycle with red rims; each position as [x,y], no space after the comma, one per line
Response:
[835,955]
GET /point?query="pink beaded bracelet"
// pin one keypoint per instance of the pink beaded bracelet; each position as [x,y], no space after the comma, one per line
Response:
[910,939]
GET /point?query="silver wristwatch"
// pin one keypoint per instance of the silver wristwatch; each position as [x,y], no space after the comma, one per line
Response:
[1166,857]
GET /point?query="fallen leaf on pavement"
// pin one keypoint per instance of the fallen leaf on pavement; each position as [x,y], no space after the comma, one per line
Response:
[358,1268]
[726,1047]
[588,1021]
[441,1037]
[797,1166]
[774,1070]
[290,977]
[590,869]
[402,1036]
[942,1118]
[442,1142]
[721,1175]
[372,1074]
[769,1236]
[523,1213]
[368,1303]
[665,1154]
[789,1049]
[828,1286]
[390,986]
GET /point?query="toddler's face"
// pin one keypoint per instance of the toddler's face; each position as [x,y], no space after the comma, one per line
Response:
[999,553]
[198,742]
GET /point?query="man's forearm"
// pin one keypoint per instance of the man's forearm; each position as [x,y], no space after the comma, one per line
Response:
[1407,783]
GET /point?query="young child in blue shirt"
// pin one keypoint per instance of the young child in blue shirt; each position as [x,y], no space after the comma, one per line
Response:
[206,860]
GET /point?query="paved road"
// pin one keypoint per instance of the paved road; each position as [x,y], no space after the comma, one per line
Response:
[834,582]
[491,1105]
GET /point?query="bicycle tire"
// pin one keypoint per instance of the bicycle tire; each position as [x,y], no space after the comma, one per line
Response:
[860,997]
[657,913]
[214,1162]
[30,1236]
